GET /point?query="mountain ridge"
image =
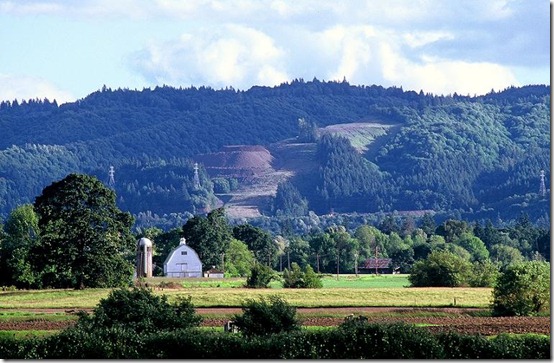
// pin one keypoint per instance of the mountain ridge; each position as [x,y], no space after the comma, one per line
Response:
[449,153]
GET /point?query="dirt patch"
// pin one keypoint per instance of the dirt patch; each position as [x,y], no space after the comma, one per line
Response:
[460,322]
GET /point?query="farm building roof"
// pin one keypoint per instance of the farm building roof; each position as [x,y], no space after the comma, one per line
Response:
[377,263]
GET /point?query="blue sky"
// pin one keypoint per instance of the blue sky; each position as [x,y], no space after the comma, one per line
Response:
[66,49]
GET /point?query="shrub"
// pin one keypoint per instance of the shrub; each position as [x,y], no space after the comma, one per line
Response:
[522,289]
[527,346]
[267,316]
[296,278]
[358,339]
[140,310]
[484,274]
[440,268]
[260,276]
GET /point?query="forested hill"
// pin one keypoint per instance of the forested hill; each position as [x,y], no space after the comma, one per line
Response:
[470,154]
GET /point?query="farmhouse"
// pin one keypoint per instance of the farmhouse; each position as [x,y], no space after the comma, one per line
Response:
[183,261]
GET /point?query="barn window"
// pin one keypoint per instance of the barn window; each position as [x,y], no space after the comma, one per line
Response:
[183,253]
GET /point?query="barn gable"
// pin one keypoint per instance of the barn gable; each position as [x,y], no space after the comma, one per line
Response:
[183,261]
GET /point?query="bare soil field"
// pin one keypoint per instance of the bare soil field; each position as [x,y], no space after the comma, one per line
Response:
[458,319]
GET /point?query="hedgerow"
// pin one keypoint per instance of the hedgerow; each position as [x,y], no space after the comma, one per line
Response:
[356,341]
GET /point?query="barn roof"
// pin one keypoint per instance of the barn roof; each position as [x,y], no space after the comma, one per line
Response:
[377,263]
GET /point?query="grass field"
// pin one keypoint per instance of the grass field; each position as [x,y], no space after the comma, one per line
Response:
[347,291]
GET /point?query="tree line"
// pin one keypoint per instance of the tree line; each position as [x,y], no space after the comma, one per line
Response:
[74,235]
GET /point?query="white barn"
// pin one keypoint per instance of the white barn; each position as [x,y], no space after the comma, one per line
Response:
[183,261]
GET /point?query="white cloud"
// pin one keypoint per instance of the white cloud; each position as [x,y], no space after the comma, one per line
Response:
[465,46]
[26,88]
[242,57]
[231,55]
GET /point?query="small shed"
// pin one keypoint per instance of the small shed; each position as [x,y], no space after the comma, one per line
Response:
[214,273]
[183,261]
[377,265]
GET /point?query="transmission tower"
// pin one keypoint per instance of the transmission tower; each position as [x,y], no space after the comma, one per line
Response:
[542,189]
[111,180]
[196,178]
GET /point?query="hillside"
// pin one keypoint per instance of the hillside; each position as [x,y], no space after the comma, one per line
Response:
[479,157]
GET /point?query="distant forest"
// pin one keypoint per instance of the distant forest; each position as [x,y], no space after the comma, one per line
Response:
[472,157]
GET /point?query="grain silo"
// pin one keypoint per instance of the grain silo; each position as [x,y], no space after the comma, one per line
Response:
[144,257]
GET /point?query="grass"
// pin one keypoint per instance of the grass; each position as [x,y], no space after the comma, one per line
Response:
[25,334]
[234,297]
[30,316]
[366,281]
[346,291]
[347,281]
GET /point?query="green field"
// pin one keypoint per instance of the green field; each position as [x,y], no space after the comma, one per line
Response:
[346,291]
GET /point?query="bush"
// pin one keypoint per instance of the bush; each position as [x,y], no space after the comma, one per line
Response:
[140,310]
[358,339]
[527,346]
[522,289]
[484,274]
[267,316]
[441,269]
[260,276]
[296,278]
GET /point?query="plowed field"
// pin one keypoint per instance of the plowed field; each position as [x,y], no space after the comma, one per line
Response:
[457,320]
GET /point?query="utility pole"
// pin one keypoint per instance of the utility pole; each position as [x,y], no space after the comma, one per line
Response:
[288,258]
[196,177]
[356,262]
[338,264]
[317,259]
[111,179]
[376,264]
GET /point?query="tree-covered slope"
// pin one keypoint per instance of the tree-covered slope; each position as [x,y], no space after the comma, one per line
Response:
[446,153]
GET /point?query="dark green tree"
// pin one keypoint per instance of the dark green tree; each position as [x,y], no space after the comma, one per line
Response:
[21,234]
[85,240]
[258,241]
[427,224]
[522,289]
[260,276]
[440,268]
[289,202]
[209,237]
[453,229]
[484,274]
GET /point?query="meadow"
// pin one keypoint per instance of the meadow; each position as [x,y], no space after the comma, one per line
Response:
[346,291]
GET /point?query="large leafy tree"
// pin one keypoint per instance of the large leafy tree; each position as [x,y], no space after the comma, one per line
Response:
[258,241]
[522,289]
[239,260]
[85,239]
[440,268]
[209,236]
[21,233]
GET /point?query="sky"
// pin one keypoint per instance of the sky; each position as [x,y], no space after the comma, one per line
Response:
[67,49]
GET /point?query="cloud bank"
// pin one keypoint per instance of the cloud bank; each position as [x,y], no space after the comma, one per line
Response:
[468,47]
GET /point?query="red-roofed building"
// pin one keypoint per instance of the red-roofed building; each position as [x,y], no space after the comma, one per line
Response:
[377,265]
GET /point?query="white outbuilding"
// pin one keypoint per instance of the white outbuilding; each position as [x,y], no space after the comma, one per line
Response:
[183,261]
